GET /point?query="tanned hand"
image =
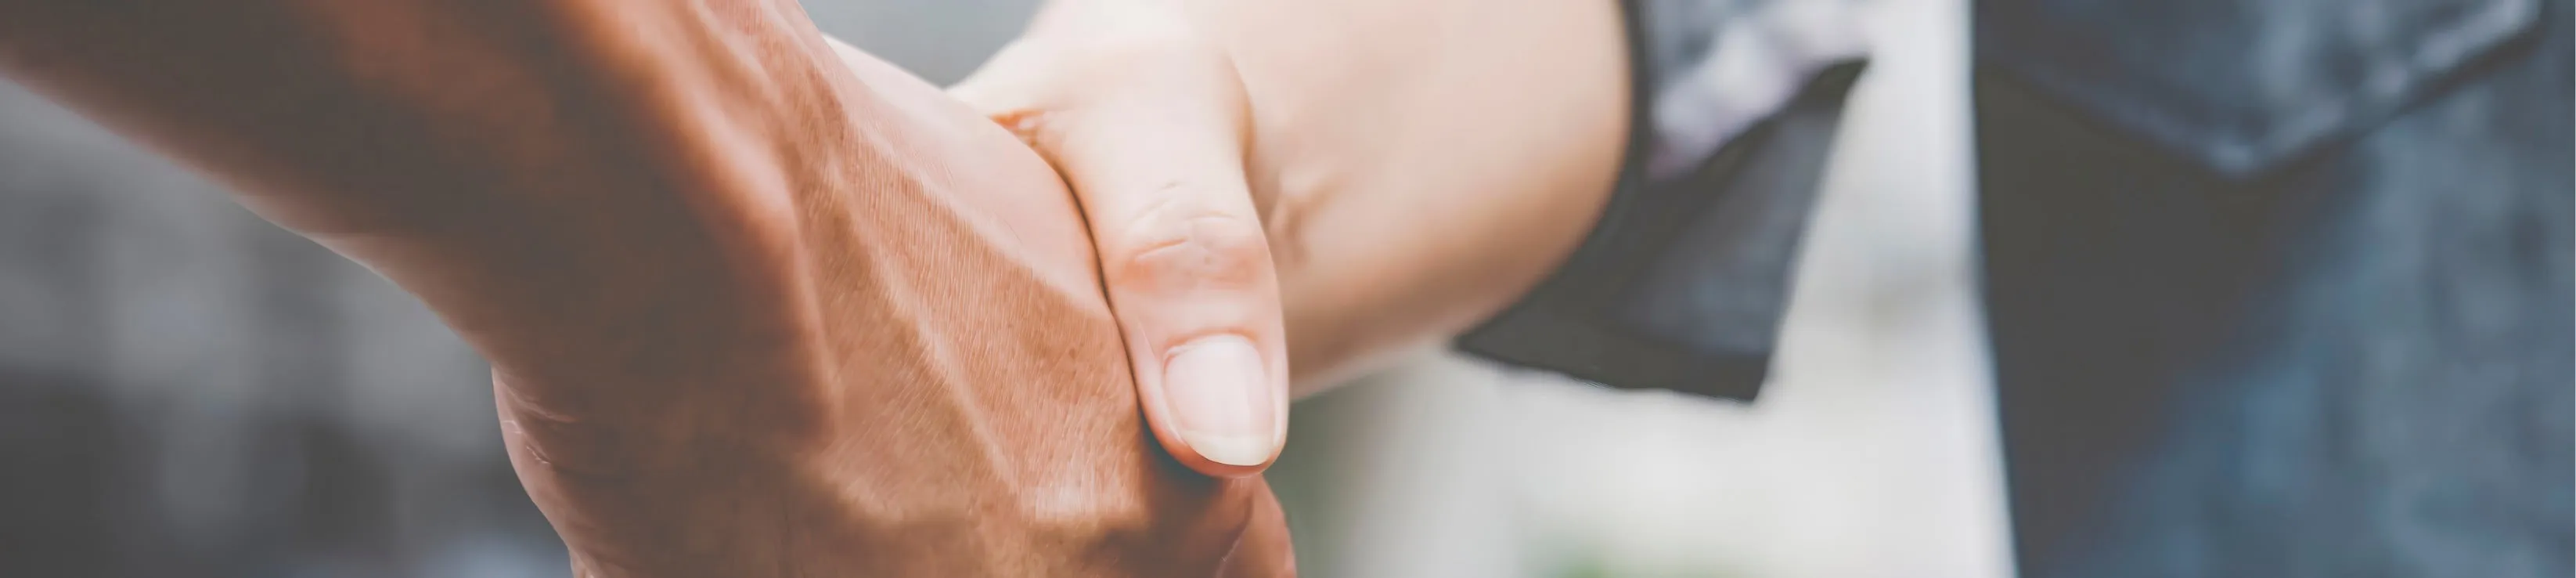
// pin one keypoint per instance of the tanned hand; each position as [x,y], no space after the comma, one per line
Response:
[756,306]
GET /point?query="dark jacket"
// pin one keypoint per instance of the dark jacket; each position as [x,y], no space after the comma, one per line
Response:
[2275,288]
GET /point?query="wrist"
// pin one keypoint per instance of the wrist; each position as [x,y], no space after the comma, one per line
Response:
[1508,133]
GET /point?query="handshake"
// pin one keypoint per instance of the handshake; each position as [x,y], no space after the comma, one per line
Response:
[758,304]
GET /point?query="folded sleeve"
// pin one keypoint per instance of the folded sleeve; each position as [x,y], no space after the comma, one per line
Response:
[1683,282]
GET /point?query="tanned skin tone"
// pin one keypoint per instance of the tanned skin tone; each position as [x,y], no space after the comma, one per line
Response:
[760,305]
[756,306]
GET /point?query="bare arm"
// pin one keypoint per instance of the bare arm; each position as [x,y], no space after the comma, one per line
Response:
[446,143]
[1409,167]
[753,310]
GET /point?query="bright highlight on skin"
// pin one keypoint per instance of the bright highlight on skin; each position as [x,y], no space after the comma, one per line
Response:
[1221,400]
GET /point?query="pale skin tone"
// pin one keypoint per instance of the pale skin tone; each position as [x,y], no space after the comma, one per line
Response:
[760,305]
[755,306]
[1411,167]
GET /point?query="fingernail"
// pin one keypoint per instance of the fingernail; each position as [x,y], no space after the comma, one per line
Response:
[1221,400]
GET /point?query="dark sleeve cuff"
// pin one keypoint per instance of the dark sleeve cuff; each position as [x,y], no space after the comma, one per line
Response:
[1682,284]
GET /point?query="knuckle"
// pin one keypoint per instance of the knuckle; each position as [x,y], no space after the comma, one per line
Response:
[1118,28]
[1143,50]
[1042,86]
[569,450]
[1161,45]
[1172,249]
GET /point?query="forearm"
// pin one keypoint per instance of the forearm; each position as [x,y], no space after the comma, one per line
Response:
[754,310]
[526,154]
[384,115]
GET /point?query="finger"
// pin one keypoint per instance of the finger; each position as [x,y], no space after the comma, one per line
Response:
[1265,549]
[1155,153]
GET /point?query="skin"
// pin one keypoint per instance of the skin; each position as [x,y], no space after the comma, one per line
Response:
[757,308]
[756,305]
[1348,178]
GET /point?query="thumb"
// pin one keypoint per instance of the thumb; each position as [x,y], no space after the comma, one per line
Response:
[1150,135]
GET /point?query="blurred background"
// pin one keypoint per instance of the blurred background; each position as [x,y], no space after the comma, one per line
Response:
[186,390]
